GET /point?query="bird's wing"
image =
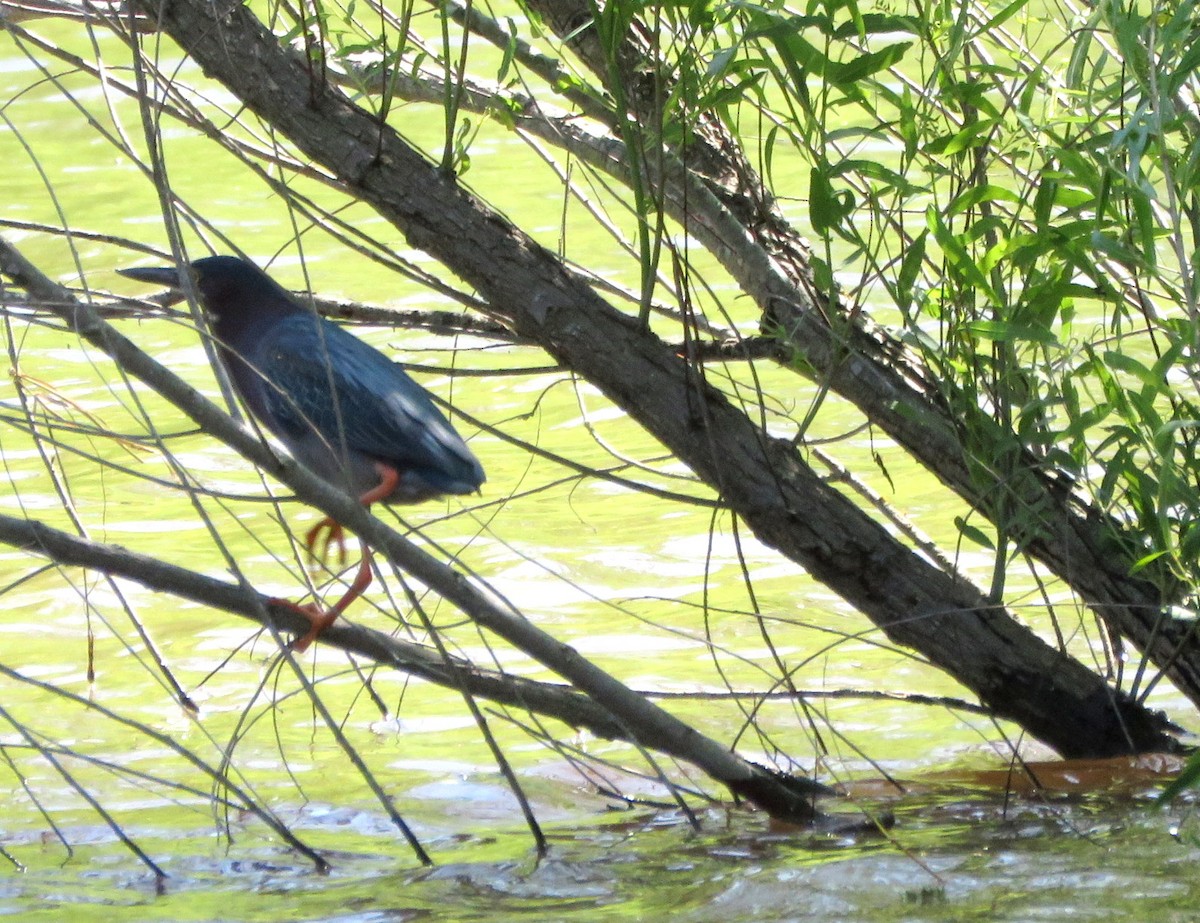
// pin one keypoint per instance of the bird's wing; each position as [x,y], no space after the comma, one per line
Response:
[381,411]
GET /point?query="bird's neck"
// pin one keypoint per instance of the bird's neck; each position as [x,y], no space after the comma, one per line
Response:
[244,327]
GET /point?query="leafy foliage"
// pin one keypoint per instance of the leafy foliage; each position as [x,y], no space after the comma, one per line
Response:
[1010,191]
[1019,184]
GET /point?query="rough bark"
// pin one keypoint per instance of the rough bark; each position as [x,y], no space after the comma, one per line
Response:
[765,481]
[1078,541]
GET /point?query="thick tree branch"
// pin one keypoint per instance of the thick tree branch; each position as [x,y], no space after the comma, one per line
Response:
[764,480]
[727,207]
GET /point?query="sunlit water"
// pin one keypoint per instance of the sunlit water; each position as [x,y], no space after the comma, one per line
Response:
[621,577]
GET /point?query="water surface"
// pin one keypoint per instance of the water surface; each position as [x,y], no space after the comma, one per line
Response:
[653,590]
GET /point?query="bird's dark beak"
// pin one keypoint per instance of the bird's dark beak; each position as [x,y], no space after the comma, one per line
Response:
[157,275]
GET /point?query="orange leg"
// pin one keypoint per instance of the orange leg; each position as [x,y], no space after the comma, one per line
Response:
[320,617]
[389,477]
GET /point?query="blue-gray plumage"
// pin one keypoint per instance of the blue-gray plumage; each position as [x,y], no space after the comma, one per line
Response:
[341,407]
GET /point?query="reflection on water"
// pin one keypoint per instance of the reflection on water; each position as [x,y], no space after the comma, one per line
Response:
[952,861]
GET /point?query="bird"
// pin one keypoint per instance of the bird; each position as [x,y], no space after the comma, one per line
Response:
[341,407]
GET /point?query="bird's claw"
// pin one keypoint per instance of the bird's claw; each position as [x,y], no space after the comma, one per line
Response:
[319,618]
[326,533]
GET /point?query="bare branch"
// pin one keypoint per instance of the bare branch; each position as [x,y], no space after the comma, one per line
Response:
[763,479]
[650,725]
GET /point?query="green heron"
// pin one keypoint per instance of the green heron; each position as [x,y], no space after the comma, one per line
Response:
[342,408]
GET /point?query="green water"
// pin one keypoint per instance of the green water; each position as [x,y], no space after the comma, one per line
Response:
[650,589]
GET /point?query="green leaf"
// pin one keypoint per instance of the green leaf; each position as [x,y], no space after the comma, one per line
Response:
[1002,17]
[1109,246]
[827,208]
[844,74]
[1002,331]
[988,192]
[877,24]
[822,276]
[1122,362]
[907,124]
[910,268]
[885,175]
[718,64]
[962,140]
[957,256]
[1145,561]
[1165,435]
[976,535]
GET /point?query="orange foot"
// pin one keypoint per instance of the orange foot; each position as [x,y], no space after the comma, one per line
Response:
[321,618]
[334,534]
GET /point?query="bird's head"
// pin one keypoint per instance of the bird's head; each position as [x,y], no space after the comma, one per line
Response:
[229,287]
